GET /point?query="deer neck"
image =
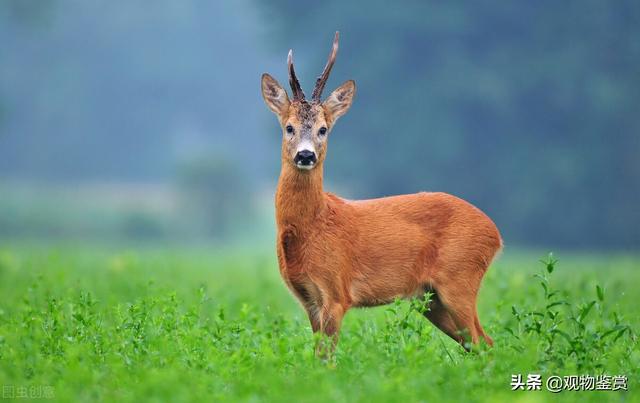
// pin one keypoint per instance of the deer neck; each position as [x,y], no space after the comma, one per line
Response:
[299,198]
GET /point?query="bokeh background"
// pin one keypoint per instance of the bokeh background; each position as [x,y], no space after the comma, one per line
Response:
[143,121]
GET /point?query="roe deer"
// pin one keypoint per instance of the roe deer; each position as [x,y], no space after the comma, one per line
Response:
[335,254]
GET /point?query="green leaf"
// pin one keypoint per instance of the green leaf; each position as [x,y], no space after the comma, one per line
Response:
[550,263]
[508,329]
[620,333]
[611,331]
[585,311]
[563,334]
[551,305]
[600,293]
[546,289]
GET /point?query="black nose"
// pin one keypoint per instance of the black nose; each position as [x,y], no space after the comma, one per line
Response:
[305,157]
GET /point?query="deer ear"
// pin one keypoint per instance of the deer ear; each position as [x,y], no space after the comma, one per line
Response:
[339,102]
[274,95]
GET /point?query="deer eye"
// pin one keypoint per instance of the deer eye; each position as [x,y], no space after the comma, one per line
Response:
[289,129]
[322,131]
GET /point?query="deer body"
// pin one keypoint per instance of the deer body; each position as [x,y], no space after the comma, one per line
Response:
[335,254]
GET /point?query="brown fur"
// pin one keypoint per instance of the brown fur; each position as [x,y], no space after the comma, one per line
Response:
[335,254]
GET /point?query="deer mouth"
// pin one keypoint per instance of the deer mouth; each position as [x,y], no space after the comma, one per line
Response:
[305,165]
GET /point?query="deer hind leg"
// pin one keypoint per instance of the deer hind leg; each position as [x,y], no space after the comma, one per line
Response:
[440,317]
[460,303]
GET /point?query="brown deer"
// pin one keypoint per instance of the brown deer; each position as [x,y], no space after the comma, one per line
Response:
[335,254]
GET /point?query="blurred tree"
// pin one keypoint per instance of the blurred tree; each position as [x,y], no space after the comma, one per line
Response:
[33,13]
[216,196]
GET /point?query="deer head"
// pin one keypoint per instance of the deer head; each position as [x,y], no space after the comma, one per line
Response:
[307,124]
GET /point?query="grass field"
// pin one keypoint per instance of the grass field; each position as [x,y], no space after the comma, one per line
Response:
[187,324]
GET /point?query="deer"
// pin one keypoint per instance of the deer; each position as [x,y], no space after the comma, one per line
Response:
[336,254]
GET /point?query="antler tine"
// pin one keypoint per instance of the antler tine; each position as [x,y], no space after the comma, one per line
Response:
[293,80]
[321,81]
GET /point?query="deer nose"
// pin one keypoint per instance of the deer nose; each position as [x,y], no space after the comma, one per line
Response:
[305,157]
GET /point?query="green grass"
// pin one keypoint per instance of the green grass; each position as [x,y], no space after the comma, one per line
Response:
[153,324]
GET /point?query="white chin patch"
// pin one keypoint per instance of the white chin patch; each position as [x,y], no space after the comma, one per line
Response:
[305,167]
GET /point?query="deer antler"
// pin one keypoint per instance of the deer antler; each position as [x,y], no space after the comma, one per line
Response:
[322,78]
[293,80]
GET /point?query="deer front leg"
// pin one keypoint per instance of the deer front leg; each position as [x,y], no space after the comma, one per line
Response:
[313,312]
[330,319]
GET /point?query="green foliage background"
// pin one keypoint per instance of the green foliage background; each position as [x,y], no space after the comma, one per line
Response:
[111,324]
